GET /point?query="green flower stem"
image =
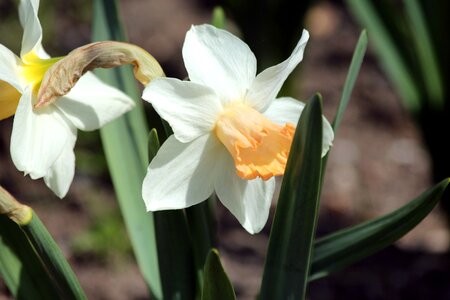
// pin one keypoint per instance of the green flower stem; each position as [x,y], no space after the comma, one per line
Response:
[13,209]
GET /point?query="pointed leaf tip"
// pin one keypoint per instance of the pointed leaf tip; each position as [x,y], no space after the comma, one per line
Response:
[217,286]
[345,247]
[293,229]
[153,144]
[218,17]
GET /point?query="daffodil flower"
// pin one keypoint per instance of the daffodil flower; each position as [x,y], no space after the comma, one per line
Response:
[231,135]
[43,138]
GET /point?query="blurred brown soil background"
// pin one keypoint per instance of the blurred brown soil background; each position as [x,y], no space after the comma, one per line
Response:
[378,163]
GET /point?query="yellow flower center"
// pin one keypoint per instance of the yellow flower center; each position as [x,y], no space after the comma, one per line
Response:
[33,69]
[9,99]
[259,147]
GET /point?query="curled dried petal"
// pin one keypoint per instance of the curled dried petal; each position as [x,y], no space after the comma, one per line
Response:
[64,74]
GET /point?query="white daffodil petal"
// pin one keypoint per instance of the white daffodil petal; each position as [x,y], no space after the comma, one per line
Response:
[38,138]
[284,110]
[61,173]
[190,108]
[328,137]
[9,68]
[219,60]
[269,82]
[92,103]
[32,30]
[181,174]
[248,200]
[288,110]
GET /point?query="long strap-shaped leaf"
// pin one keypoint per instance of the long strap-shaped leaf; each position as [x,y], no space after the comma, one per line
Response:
[291,238]
[28,248]
[175,258]
[53,259]
[194,222]
[349,84]
[348,246]
[199,216]
[201,229]
[124,142]
[175,255]
[350,80]
[21,267]
[217,286]
[392,60]
[425,53]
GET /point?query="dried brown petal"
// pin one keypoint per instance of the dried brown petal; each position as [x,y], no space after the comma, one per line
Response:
[63,75]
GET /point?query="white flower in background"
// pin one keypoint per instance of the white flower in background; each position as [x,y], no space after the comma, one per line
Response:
[230,134]
[43,139]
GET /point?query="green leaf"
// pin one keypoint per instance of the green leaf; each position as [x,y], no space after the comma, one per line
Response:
[425,53]
[153,144]
[125,145]
[352,75]
[218,18]
[217,285]
[345,247]
[291,238]
[201,228]
[31,247]
[349,84]
[199,216]
[53,259]
[391,59]
[175,258]
[20,266]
